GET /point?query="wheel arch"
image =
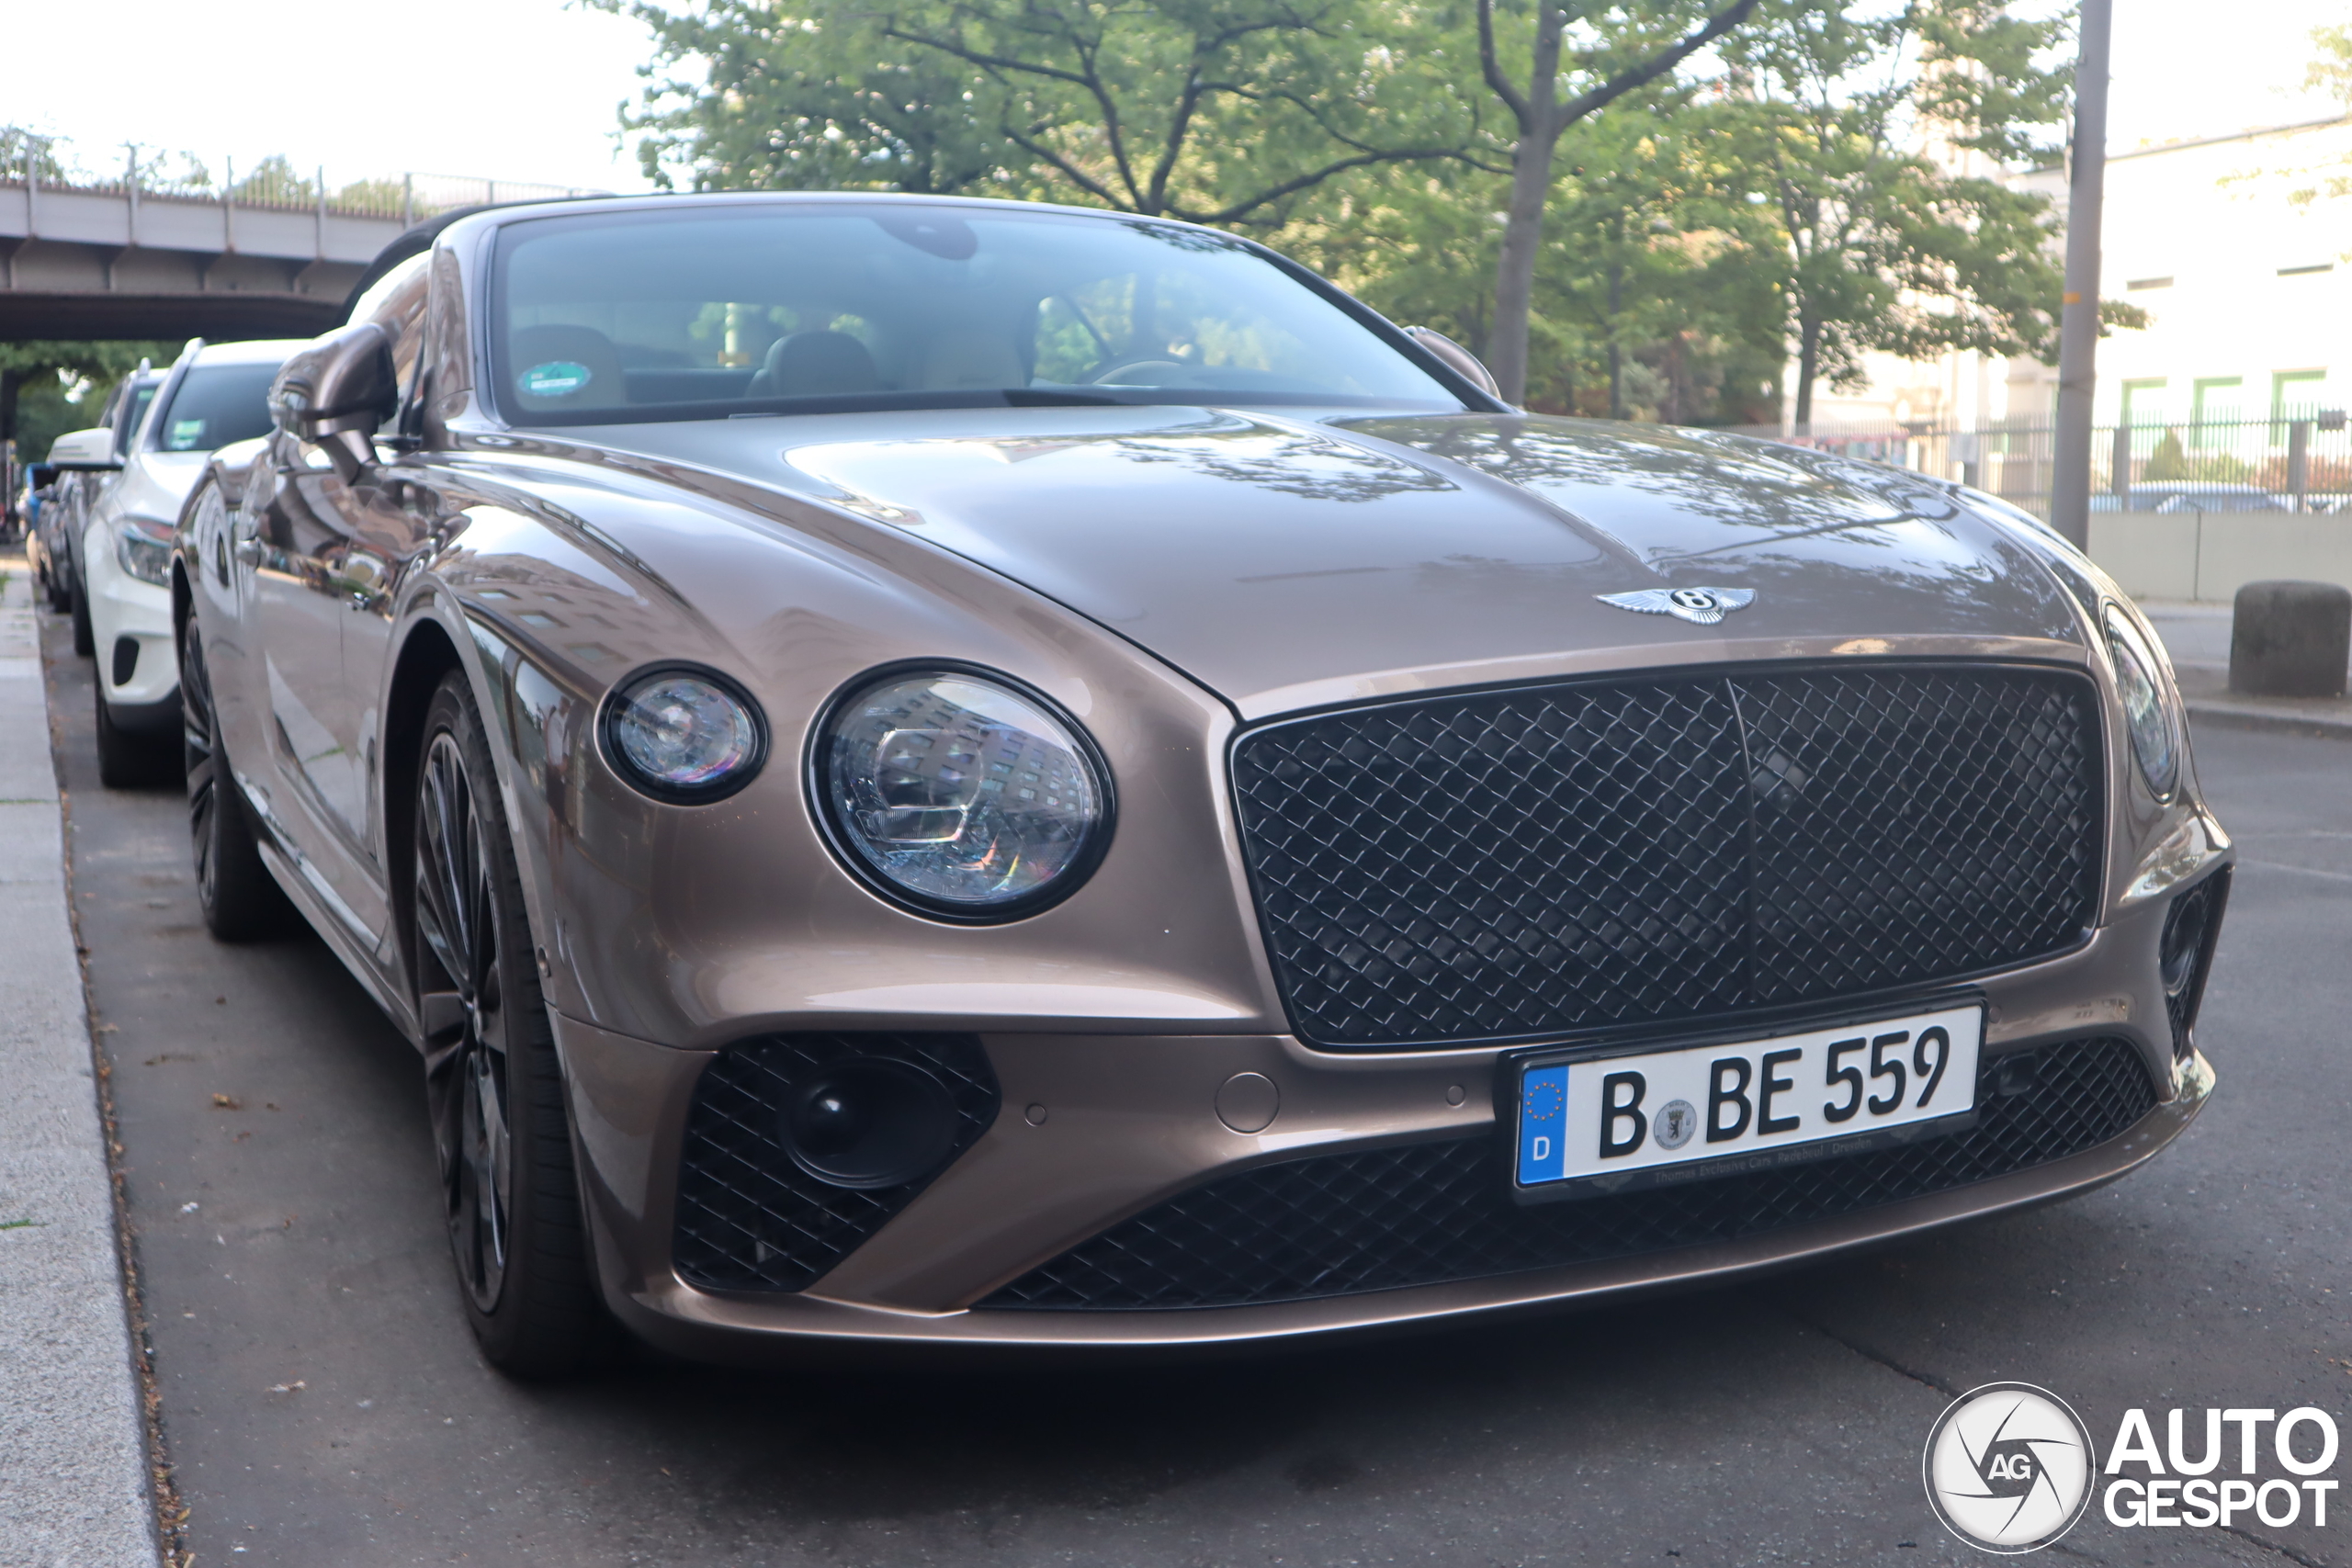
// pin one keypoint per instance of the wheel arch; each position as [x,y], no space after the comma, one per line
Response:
[427,654]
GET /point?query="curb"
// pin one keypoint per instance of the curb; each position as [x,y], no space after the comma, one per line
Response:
[2270,719]
[74,1487]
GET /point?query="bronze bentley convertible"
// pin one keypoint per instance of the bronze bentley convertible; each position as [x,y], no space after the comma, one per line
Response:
[942,770]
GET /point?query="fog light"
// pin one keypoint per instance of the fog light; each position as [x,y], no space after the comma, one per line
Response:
[2185,951]
[2184,940]
[870,1122]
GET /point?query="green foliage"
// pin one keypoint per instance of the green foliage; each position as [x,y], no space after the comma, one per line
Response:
[2168,463]
[1219,111]
[1886,247]
[1828,176]
[2330,70]
[2121,315]
[19,144]
[60,385]
[274,180]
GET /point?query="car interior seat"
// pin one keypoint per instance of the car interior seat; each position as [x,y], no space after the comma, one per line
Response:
[813,365]
[555,353]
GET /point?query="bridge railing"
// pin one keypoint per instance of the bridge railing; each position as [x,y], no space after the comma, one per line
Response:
[274,184]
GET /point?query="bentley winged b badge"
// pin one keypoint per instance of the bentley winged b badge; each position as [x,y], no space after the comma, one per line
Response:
[1700,606]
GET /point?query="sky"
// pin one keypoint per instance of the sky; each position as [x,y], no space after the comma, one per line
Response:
[529,90]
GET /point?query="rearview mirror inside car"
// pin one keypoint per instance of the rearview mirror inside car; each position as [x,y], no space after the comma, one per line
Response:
[85,452]
[336,392]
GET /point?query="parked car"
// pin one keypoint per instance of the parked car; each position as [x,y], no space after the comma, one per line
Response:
[69,508]
[24,508]
[2190,495]
[213,395]
[936,769]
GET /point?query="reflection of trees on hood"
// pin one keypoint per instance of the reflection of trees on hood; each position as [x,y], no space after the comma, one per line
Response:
[1791,520]
[1760,486]
[1313,467]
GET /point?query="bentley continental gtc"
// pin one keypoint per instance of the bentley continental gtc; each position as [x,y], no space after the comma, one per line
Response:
[932,769]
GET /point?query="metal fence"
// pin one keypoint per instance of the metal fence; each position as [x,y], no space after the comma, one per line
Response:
[2298,460]
[33,163]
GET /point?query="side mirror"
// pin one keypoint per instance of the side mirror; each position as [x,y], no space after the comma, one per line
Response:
[1460,360]
[336,392]
[85,452]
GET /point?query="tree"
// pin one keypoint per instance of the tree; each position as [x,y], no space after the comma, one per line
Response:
[45,386]
[1659,279]
[2302,183]
[1216,111]
[20,147]
[792,96]
[1634,51]
[1887,247]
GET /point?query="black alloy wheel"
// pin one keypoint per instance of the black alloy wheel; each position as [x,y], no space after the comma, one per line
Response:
[239,898]
[493,1085]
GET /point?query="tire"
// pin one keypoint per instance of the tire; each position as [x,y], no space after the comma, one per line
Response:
[239,898]
[86,641]
[127,760]
[493,1085]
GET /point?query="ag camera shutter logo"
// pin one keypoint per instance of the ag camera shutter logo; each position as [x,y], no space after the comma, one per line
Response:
[2008,1468]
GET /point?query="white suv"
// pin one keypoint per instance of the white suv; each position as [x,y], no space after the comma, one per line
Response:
[214,394]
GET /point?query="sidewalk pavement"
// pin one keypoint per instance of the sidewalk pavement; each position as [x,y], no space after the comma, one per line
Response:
[2198,637]
[74,1482]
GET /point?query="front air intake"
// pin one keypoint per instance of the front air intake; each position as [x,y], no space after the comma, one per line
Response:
[800,1147]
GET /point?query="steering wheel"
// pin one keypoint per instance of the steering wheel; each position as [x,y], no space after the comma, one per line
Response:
[1153,363]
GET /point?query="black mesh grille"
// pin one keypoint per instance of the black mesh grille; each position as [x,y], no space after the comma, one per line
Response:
[2192,926]
[1424,1213]
[748,1219]
[1529,862]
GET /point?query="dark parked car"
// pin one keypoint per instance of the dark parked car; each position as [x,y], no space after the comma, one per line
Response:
[939,770]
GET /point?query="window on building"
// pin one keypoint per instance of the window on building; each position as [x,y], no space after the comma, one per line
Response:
[2215,410]
[2146,409]
[2294,394]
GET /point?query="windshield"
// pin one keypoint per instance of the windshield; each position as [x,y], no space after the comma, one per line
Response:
[698,314]
[216,405]
[139,398]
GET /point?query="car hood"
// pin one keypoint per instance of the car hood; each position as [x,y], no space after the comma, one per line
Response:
[1281,561]
[154,485]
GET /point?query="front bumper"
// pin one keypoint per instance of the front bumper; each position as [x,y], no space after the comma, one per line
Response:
[125,609]
[1095,1129]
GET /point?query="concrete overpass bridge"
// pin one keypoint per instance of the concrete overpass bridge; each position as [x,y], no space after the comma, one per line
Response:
[92,261]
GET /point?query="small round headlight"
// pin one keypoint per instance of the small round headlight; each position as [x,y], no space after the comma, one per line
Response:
[2147,712]
[959,793]
[684,735]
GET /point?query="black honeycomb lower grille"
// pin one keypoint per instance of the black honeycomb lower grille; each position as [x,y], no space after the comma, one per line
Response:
[749,1219]
[1533,861]
[1427,1214]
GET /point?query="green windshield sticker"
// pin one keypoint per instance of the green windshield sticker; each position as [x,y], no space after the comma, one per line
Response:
[556,378]
[186,434]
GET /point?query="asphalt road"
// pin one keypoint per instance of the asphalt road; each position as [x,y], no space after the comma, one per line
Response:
[325,1409]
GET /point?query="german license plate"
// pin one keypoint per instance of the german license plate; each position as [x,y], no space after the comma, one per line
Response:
[1587,1123]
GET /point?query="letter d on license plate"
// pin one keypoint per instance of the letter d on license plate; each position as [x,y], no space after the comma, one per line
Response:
[1588,1122]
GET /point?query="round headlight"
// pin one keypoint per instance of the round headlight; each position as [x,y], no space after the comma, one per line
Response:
[960,795]
[684,735]
[2147,714]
